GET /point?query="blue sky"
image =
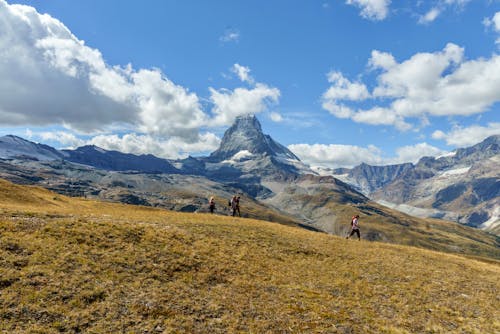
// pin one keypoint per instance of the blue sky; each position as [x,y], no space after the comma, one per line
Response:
[339,82]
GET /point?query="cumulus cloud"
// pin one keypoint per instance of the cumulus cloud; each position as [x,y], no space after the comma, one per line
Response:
[134,143]
[413,153]
[375,10]
[66,139]
[228,104]
[145,144]
[50,77]
[430,16]
[348,156]
[335,156]
[467,136]
[243,73]
[342,89]
[442,83]
[493,23]
[439,7]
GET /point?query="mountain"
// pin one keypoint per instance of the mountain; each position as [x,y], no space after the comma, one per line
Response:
[247,149]
[463,186]
[368,178]
[245,136]
[13,147]
[117,161]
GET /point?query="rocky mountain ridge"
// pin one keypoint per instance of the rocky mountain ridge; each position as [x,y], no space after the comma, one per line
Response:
[461,187]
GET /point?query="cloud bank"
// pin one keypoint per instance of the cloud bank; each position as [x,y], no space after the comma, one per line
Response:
[348,156]
[467,136]
[426,85]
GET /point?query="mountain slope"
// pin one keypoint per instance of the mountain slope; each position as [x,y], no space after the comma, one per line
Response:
[13,147]
[463,186]
[102,267]
[118,161]
[328,205]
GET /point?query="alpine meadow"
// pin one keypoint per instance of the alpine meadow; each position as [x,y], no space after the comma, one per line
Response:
[327,166]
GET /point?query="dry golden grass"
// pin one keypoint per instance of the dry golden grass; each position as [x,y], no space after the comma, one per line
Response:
[75,266]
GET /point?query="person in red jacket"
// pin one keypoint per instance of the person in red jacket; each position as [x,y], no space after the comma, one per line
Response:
[354,227]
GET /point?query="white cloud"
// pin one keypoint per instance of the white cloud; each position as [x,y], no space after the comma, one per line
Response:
[430,16]
[335,156]
[230,35]
[494,23]
[425,85]
[167,109]
[459,3]
[50,77]
[381,60]
[243,73]
[145,144]
[228,104]
[135,143]
[439,7]
[66,139]
[381,116]
[372,9]
[342,89]
[276,117]
[467,136]
[413,153]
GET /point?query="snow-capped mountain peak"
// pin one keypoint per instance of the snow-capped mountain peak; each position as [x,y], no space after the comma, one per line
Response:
[13,147]
[246,135]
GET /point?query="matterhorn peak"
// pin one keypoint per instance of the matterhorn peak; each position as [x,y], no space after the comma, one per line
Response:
[246,135]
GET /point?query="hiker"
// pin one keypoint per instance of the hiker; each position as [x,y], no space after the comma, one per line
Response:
[238,205]
[354,227]
[235,205]
[211,204]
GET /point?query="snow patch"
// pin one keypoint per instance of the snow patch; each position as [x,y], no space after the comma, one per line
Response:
[100,150]
[494,221]
[456,171]
[447,155]
[344,178]
[323,171]
[419,212]
[241,155]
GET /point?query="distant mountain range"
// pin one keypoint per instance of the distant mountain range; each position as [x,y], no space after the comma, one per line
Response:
[463,187]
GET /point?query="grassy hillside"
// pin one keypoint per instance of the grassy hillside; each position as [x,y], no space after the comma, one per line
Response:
[329,205]
[68,265]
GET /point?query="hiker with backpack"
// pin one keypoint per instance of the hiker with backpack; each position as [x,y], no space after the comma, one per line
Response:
[211,204]
[354,227]
[235,205]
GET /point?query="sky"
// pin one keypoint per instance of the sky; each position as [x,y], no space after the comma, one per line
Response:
[339,82]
